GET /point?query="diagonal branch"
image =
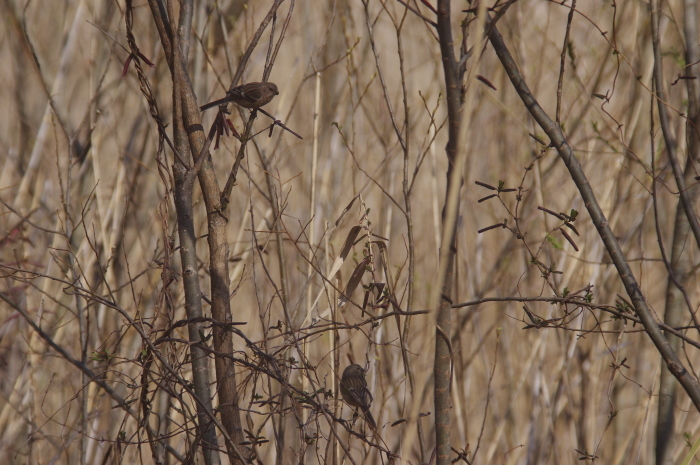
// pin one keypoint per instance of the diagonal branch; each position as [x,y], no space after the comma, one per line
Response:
[552,129]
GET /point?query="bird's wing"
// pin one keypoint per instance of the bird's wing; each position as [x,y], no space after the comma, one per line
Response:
[250,92]
[365,397]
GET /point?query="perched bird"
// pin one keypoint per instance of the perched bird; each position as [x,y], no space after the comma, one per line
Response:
[353,387]
[251,95]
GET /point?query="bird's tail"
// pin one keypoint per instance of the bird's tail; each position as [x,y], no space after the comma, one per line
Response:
[370,419]
[214,103]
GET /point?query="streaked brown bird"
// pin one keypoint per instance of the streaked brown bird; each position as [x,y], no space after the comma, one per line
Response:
[353,387]
[251,95]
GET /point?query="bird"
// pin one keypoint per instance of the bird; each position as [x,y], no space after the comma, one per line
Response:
[251,95]
[353,388]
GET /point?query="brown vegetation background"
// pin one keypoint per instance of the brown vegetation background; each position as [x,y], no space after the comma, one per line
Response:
[84,203]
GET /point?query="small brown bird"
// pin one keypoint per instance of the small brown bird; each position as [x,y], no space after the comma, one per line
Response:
[353,387]
[251,95]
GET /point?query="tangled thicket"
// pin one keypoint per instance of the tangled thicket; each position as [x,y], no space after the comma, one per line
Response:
[188,287]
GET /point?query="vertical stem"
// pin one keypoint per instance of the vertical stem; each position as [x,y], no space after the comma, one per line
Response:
[312,210]
[336,353]
[666,125]
[443,320]
[184,184]
[681,262]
